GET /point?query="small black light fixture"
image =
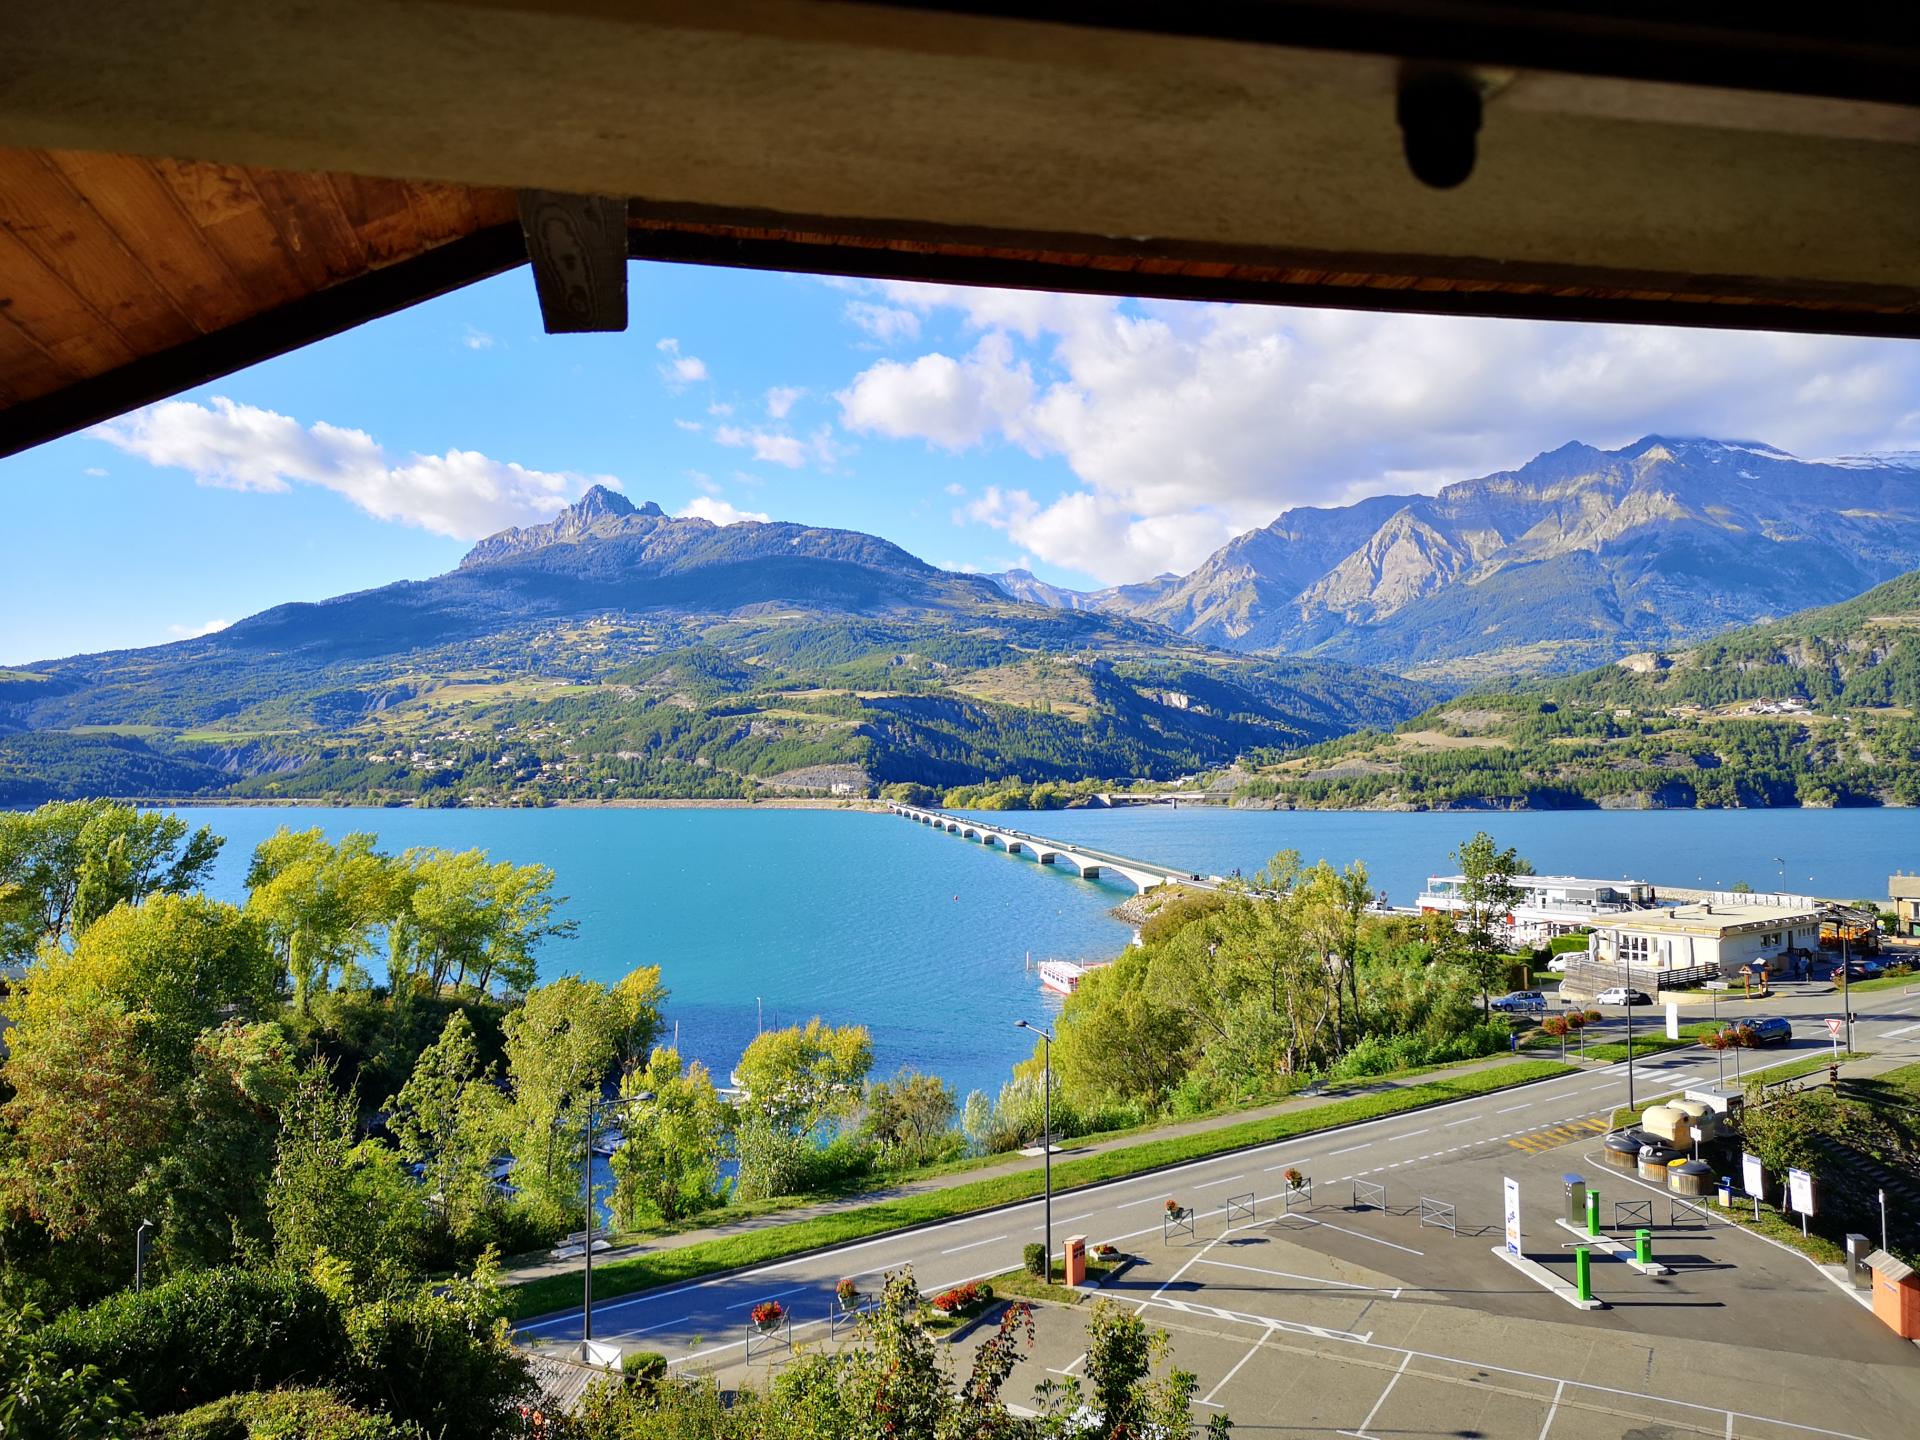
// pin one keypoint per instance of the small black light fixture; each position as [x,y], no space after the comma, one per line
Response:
[1439,115]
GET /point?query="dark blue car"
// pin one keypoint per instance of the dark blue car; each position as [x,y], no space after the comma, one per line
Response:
[1767,1029]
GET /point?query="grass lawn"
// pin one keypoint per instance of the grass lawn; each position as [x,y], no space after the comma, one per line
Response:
[1885,982]
[777,1242]
[1019,1285]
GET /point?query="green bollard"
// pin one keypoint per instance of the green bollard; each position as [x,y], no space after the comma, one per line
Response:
[1593,1212]
[1643,1246]
[1583,1271]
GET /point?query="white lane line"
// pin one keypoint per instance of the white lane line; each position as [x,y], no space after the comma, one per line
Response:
[1350,1149]
[1311,1279]
[975,1245]
[1287,1164]
[1554,1409]
[1208,1400]
[1148,1201]
[1511,1108]
[1360,1234]
[1211,1183]
[1414,1134]
[1606,1085]
[1362,1431]
[1075,1219]
[1464,1120]
[1903,1030]
[741,1305]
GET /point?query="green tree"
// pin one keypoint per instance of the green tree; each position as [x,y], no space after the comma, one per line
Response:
[473,919]
[65,864]
[669,1159]
[1490,895]
[334,1194]
[448,1119]
[641,997]
[219,1159]
[909,1119]
[561,1046]
[797,1080]
[319,901]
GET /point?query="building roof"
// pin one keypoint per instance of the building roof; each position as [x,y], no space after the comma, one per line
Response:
[1226,152]
[1903,887]
[1709,919]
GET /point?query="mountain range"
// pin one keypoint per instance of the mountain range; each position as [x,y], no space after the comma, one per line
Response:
[617,652]
[1816,709]
[1576,557]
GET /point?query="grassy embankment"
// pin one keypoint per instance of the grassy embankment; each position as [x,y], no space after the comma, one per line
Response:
[708,1257]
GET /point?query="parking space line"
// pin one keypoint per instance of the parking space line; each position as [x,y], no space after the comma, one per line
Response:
[1554,1409]
[1208,1400]
[1361,1433]
[1314,1279]
[975,1245]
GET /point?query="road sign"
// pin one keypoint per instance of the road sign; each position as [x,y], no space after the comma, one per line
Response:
[1753,1176]
[1513,1216]
[1800,1191]
[1835,1025]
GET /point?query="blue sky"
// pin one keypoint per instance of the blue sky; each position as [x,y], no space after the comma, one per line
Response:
[1094,441]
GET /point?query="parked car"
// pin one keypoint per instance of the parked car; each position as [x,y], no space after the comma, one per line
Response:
[1861,970]
[1620,995]
[1559,963]
[1767,1029]
[1521,1000]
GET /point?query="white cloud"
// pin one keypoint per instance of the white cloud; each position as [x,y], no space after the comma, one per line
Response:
[194,632]
[719,408]
[705,481]
[956,489]
[777,447]
[667,345]
[684,370]
[95,471]
[477,339]
[462,493]
[955,404]
[1187,423]
[780,400]
[692,426]
[889,324]
[720,512]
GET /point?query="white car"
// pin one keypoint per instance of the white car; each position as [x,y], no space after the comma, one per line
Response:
[1558,964]
[1620,995]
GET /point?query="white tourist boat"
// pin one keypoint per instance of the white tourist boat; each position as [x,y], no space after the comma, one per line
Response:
[1064,976]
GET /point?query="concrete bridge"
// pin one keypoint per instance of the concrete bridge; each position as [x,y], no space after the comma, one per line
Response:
[1090,864]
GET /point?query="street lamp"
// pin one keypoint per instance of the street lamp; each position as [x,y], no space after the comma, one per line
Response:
[1626,970]
[595,1107]
[1046,1138]
[140,1256]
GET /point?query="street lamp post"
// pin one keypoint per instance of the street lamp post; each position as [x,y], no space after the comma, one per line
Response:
[1046,1138]
[1626,971]
[594,1108]
[140,1256]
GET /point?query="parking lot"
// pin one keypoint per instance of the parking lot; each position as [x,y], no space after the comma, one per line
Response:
[1370,1314]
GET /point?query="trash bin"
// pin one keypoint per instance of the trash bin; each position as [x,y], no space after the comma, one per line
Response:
[1074,1260]
[1726,1192]
[1576,1199]
[1858,1271]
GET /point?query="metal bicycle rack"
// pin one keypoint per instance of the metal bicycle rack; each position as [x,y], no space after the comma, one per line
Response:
[1677,1207]
[1440,1214]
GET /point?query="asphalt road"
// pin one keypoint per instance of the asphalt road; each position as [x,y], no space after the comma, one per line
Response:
[710,1317]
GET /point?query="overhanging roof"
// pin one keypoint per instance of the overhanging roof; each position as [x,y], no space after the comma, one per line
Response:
[1631,166]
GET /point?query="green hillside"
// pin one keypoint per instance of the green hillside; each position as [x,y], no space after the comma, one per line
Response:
[1815,709]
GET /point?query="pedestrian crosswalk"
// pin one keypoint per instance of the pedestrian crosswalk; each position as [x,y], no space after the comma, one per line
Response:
[1553,1136]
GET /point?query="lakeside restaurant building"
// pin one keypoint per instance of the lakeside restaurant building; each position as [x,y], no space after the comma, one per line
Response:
[1722,935]
[1552,904]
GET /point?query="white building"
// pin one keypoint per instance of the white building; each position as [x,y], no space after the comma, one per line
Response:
[1726,931]
[1551,904]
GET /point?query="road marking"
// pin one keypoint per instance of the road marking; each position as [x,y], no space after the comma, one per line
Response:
[1903,1030]
[974,1246]
[1287,1164]
[1361,1433]
[1349,1150]
[1606,1085]
[741,1305]
[1464,1120]
[1072,1365]
[1208,1401]
[1313,1279]
[1357,1234]
[1414,1134]
[1148,1201]
[1211,1183]
[1511,1108]
[1554,1409]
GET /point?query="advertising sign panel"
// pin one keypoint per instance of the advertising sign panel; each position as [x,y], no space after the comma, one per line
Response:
[1800,1191]
[1513,1216]
[1753,1178]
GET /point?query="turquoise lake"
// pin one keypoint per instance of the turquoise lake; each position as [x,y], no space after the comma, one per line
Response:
[923,936]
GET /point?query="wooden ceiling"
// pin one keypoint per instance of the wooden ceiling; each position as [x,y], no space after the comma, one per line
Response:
[1633,165]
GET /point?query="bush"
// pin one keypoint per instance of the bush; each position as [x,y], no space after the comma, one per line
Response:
[1572,1021]
[1554,1025]
[204,1335]
[281,1415]
[1035,1258]
[643,1367]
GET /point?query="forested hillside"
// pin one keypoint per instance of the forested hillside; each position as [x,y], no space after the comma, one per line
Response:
[1816,709]
[618,654]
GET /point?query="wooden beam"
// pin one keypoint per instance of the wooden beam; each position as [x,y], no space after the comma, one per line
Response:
[300,322]
[578,246]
